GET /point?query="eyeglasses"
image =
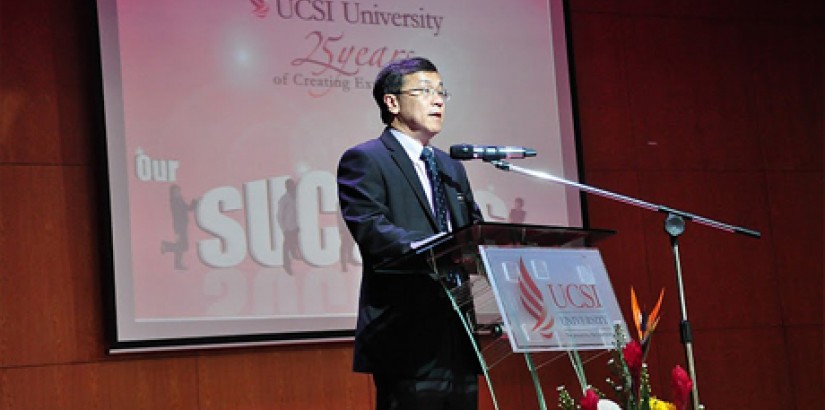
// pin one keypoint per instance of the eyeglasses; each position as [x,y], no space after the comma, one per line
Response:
[426,92]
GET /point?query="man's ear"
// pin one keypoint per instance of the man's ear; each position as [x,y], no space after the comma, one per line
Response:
[392,103]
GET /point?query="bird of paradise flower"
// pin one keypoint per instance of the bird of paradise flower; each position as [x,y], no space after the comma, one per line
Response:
[645,322]
[533,302]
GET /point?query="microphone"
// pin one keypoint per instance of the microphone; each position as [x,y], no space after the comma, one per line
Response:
[489,152]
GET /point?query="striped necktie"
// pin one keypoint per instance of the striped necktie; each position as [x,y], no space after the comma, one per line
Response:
[439,196]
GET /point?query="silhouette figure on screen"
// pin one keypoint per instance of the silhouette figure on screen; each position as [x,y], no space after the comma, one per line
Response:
[518,214]
[288,220]
[180,223]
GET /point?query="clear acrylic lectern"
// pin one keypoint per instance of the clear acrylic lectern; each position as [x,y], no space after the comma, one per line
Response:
[537,291]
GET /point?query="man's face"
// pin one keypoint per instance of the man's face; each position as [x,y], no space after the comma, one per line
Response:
[418,114]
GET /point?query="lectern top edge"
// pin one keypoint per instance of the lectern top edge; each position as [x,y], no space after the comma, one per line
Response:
[467,239]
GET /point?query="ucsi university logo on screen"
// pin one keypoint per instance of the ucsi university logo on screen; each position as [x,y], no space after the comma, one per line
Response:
[569,301]
[339,44]
[350,12]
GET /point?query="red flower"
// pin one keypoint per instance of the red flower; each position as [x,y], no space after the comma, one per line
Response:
[681,386]
[633,356]
[590,401]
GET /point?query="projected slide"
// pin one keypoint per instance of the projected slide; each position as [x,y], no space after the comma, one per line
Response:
[225,121]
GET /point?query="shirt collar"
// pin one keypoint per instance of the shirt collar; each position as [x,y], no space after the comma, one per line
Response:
[412,146]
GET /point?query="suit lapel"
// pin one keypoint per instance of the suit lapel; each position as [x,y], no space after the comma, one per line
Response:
[402,160]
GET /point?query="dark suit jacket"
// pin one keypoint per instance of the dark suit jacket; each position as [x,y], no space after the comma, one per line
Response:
[405,322]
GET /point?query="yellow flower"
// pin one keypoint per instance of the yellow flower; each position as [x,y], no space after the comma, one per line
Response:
[656,404]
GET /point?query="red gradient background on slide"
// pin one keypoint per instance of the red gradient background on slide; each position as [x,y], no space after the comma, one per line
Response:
[212,105]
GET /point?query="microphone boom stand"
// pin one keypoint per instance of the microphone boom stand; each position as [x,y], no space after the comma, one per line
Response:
[674,226]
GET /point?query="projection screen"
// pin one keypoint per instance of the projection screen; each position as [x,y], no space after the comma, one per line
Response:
[212,106]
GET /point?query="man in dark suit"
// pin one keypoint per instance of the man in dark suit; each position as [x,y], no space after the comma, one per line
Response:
[393,196]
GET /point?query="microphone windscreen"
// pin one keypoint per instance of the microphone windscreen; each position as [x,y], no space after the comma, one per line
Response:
[462,151]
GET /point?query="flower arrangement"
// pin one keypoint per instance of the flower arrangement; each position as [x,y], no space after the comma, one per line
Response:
[631,387]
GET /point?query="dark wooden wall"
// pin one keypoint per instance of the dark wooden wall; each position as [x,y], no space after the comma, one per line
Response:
[716,108]
[708,106]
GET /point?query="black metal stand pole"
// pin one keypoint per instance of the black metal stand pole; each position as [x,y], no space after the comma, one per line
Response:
[675,226]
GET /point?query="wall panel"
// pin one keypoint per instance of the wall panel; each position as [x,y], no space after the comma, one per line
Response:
[132,384]
[788,94]
[796,216]
[307,376]
[50,306]
[151,382]
[47,81]
[708,9]
[803,351]
[601,93]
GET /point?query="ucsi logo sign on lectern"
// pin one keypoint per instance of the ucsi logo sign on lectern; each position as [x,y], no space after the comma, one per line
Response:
[553,298]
